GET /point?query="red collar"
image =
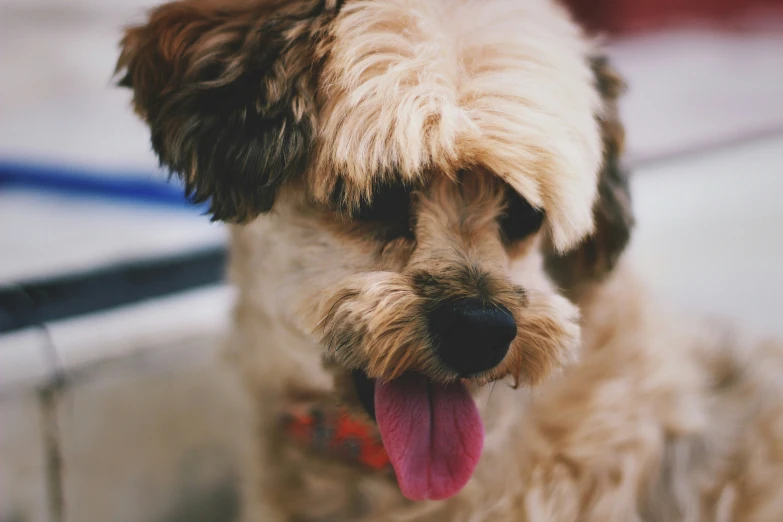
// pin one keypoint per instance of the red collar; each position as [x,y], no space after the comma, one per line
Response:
[333,432]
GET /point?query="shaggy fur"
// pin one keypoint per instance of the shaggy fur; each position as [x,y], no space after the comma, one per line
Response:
[381,157]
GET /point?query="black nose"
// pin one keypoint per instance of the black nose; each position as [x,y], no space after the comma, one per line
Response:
[470,337]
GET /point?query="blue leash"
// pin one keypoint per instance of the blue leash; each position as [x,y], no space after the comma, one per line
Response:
[119,185]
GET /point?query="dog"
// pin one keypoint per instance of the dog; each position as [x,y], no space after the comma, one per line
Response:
[428,210]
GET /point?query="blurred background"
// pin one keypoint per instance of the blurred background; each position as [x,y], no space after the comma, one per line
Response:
[112,403]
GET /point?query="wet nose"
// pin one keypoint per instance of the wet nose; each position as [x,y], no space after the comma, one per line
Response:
[471,337]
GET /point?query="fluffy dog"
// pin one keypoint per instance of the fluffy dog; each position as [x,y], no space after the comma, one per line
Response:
[428,214]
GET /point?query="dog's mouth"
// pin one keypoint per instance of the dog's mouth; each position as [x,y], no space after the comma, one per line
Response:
[432,432]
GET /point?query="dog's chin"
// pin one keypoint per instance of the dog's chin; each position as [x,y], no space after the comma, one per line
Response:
[432,431]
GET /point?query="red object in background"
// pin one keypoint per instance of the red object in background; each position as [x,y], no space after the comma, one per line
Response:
[629,16]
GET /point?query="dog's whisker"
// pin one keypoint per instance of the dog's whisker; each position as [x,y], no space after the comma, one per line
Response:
[491,391]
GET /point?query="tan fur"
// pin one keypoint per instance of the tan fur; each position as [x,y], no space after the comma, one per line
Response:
[606,408]
[410,86]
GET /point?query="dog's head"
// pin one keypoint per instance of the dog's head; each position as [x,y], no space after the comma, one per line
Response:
[431,167]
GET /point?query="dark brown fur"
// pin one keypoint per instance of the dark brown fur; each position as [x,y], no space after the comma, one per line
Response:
[228,92]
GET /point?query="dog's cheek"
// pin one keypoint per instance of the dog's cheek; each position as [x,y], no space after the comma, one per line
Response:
[548,339]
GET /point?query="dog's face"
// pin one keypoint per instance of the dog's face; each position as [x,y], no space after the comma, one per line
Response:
[432,166]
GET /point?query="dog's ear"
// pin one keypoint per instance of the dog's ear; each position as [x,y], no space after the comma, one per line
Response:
[227,90]
[597,255]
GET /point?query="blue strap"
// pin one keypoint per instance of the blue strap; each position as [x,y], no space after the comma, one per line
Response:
[149,188]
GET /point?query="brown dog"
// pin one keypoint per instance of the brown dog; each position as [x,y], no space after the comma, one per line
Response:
[428,216]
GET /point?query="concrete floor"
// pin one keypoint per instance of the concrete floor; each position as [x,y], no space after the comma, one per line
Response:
[142,431]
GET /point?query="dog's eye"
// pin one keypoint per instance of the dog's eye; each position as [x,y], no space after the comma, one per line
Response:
[520,219]
[389,210]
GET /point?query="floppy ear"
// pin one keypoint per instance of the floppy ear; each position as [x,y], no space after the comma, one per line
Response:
[597,255]
[227,90]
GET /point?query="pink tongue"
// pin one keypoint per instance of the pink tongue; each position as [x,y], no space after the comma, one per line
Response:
[432,433]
